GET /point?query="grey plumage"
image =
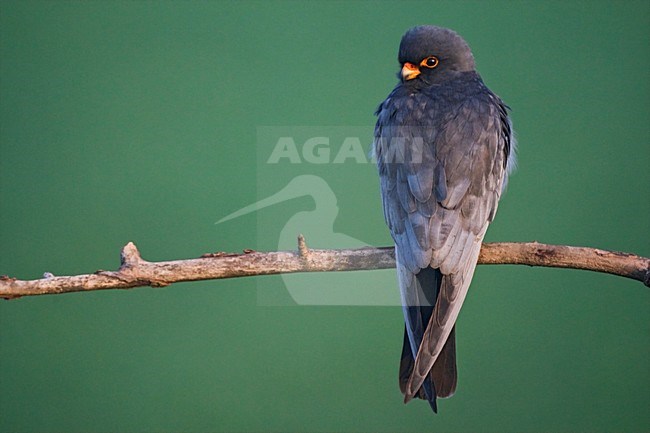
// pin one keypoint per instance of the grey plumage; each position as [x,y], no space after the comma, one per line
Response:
[443,142]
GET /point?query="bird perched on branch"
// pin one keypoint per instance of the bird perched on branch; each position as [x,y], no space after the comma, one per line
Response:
[444,147]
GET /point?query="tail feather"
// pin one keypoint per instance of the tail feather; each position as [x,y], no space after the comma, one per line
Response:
[444,373]
[442,378]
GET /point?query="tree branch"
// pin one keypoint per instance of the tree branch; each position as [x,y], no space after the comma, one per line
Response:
[136,272]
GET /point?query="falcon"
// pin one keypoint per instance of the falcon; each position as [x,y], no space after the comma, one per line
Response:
[444,147]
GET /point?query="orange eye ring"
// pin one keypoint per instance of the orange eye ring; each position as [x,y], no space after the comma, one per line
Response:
[430,62]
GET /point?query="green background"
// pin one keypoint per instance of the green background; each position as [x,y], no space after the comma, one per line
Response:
[137,121]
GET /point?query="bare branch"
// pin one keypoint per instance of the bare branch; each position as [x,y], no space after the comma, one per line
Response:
[137,272]
[563,256]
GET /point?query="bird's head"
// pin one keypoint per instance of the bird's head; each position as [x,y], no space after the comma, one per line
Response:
[433,54]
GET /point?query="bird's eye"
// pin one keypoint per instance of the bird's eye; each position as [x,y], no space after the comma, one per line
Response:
[430,62]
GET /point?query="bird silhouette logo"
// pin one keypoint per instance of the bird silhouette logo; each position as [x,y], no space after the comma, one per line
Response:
[317,225]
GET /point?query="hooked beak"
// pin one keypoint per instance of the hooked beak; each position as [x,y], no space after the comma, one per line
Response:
[409,71]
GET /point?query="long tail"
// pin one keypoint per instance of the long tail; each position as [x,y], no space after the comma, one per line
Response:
[441,380]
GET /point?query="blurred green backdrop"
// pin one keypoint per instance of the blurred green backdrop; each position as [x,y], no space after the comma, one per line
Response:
[138,121]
